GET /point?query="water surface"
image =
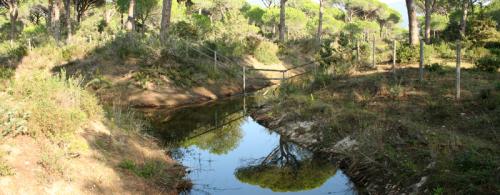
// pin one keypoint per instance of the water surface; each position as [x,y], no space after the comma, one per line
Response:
[227,152]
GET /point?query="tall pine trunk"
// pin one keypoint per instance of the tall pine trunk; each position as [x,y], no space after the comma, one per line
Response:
[282,25]
[67,8]
[131,16]
[165,18]
[428,13]
[463,27]
[413,23]
[55,15]
[320,23]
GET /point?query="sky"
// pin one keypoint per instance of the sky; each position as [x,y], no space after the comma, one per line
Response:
[398,5]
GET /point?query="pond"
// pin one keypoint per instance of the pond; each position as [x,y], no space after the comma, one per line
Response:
[227,152]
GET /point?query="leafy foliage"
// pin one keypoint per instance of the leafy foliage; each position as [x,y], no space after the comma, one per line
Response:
[266,52]
[488,63]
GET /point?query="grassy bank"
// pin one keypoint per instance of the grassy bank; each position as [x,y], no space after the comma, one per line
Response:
[397,134]
[53,132]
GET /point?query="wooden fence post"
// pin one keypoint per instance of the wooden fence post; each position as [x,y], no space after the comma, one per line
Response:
[394,57]
[373,52]
[421,64]
[215,60]
[357,51]
[244,81]
[29,44]
[459,61]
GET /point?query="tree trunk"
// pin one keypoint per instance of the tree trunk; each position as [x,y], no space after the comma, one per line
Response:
[413,23]
[55,23]
[13,14]
[463,26]
[320,24]
[282,25]
[67,7]
[428,13]
[463,19]
[131,16]
[165,18]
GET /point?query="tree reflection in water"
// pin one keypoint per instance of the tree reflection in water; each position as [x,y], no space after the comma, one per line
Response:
[287,168]
[214,127]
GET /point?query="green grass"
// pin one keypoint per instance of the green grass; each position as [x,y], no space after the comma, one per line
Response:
[147,170]
[58,106]
[6,170]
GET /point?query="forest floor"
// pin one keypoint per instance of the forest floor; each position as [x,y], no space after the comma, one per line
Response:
[396,135]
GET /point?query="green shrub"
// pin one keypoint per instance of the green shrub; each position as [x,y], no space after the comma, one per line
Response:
[185,30]
[13,120]
[6,73]
[444,50]
[321,80]
[435,67]
[266,52]
[58,106]
[68,52]
[407,54]
[488,63]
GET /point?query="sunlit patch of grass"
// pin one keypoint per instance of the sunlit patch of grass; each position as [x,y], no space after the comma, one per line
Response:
[407,129]
[146,170]
[58,105]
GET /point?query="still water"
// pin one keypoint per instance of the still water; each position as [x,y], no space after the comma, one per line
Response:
[227,152]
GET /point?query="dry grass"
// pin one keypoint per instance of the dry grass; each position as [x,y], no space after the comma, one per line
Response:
[405,129]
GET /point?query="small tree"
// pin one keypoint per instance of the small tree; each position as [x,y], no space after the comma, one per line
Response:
[12,6]
[82,6]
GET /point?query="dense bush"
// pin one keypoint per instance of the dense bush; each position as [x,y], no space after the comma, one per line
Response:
[435,67]
[444,50]
[488,63]
[266,52]
[407,54]
[58,106]
[6,73]
[184,30]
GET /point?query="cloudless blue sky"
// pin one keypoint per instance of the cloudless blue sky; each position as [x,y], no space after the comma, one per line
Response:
[395,4]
